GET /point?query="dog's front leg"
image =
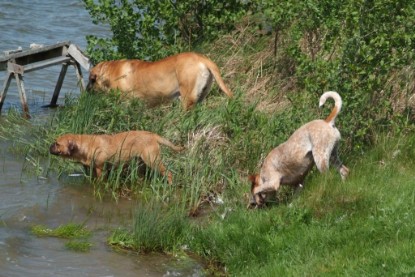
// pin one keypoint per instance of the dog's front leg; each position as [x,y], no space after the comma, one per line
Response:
[98,172]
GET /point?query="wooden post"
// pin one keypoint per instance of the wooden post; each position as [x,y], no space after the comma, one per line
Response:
[22,94]
[78,71]
[58,86]
[5,88]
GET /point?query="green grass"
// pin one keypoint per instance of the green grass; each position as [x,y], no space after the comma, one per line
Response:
[360,227]
[76,233]
[78,245]
[155,229]
[68,231]
[363,226]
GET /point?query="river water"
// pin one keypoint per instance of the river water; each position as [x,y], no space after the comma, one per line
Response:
[27,200]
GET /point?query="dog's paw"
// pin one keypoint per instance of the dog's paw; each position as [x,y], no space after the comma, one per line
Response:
[344,172]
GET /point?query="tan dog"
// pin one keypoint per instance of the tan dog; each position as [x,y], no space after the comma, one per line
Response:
[288,164]
[185,75]
[97,150]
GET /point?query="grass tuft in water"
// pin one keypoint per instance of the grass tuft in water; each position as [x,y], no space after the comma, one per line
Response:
[78,245]
[68,231]
[155,229]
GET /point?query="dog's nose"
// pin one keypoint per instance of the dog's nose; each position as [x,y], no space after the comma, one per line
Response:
[52,148]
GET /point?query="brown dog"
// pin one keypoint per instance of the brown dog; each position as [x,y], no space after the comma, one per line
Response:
[185,75]
[288,164]
[97,150]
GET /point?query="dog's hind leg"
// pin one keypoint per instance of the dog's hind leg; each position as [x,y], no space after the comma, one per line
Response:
[335,160]
[152,159]
[195,83]
[203,86]
[321,158]
[188,97]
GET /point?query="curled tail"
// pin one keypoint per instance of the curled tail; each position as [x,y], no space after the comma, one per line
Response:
[166,142]
[337,105]
[213,68]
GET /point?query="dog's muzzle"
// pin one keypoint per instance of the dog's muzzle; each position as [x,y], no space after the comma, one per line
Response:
[53,149]
[89,86]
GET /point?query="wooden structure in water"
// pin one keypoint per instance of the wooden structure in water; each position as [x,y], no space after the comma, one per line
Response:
[18,62]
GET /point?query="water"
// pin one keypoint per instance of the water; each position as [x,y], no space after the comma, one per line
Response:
[27,200]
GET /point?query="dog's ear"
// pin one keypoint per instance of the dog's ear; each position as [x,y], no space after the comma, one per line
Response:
[72,147]
[254,180]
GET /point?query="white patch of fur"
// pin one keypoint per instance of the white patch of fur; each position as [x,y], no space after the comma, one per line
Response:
[202,79]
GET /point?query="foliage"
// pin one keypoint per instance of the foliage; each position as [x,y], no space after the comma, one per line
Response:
[356,48]
[155,29]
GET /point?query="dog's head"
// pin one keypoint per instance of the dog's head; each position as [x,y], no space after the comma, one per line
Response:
[257,199]
[96,81]
[64,146]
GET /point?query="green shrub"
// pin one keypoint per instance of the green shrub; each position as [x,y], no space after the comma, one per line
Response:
[362,49]
[155,29]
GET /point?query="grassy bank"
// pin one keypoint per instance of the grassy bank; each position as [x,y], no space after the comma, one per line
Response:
[361,226]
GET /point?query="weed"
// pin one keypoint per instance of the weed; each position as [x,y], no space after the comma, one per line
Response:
[68,231]
[78,246]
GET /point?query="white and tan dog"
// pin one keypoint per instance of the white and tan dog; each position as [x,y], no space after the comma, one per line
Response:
[97,150]
[186,75]
[288,164]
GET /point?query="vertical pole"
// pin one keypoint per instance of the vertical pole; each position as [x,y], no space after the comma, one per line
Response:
[22,94]
[6,85]
[58,85]
[79,76]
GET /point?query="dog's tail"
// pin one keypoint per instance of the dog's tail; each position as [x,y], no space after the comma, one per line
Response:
[337,105]
[213,68]
[166,142]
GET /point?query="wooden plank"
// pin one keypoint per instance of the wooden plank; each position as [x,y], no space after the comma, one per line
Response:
[78,72]
[15,68]
[46,63]
[79,56]
[36,55]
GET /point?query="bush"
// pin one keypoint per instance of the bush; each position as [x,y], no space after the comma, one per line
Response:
[362,49]
[155,29]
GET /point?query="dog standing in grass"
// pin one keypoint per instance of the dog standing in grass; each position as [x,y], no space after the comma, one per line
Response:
[288,164]
[97,150]
[188,76]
